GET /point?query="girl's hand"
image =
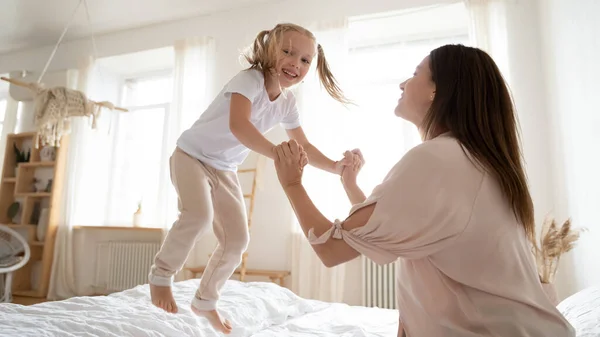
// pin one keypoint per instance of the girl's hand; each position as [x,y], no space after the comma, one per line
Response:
[350,173]
[290,160]
[341,164]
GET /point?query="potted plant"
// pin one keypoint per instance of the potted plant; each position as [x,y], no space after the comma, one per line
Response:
[20,156]
[137,216]
[554,242]
[12,211]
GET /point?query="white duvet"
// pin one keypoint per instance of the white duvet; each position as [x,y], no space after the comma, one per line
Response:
[582,310]
[256,309]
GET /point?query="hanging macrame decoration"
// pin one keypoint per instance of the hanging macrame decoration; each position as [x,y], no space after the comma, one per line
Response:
[54,107]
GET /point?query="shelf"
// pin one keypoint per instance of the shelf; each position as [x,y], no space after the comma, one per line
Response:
[22,135]
[38,164]
[34,194]
[26,293]
[26,300]
[17,226]
[21,179]
[31,229]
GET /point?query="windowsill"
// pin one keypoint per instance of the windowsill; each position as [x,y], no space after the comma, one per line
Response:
[131,228]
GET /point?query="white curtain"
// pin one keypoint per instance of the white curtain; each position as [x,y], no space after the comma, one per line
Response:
[323,121]
[193,91]
[509,31]
[85,178]
[9,123]
[488,30]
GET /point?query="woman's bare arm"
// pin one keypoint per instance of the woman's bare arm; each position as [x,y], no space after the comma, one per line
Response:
[354,193]
[350,174]
[334,251]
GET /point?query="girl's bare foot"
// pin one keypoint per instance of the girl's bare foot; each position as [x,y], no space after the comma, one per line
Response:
[215,319]
[162,297]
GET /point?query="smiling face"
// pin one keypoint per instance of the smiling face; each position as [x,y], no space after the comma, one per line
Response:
[298,52]
[417,95]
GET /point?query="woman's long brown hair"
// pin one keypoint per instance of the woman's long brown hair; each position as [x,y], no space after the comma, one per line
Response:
[473,102]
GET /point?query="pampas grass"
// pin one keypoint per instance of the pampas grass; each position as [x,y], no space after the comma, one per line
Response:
[554,242]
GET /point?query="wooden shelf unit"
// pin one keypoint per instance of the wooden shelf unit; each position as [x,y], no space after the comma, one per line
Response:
[17,185]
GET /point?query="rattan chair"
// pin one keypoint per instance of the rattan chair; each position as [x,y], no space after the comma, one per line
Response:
[14,254]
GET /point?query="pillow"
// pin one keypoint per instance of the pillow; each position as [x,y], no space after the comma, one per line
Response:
[582,310]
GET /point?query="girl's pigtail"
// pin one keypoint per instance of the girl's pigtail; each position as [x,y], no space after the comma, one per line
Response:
[327,79]
[264,52]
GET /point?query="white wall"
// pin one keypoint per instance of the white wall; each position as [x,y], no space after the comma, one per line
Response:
[232,29]
[570,36]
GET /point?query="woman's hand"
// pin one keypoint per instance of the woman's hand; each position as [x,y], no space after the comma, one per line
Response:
[290,160]
[342,164]
[350,173]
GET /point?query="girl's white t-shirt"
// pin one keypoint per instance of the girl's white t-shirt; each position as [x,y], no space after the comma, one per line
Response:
[210,140]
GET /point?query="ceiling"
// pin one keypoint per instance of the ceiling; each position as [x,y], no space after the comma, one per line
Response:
[32,23]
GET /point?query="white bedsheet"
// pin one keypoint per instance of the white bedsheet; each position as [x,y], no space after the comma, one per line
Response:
[256,309]
[338,320]
[582,310]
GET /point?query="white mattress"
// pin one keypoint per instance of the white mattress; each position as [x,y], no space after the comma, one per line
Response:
[256,309]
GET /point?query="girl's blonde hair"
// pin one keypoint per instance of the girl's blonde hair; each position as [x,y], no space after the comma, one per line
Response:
[266,51]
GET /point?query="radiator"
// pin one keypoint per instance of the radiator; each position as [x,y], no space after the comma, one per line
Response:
[379,284]
[123,265]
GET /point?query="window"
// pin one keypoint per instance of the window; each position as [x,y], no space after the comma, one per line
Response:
[380,60]
[4,88]
[374,54]
[138,146]
[5,127]
[3,105]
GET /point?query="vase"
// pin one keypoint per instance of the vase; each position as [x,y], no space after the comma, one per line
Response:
[42,225]
[550,291]
[138,218]
[48,153]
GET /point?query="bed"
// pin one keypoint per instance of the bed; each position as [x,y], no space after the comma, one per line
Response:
[582,310]
[257,309]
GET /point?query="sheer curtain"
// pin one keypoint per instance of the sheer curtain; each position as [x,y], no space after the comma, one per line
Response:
[498,27]
[85,171]
[323,122]
[488,23]
[193,91]
[9,123]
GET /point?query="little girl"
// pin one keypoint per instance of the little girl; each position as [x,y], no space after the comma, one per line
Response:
[204,163]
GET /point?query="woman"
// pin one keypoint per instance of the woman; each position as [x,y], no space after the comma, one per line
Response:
[456,209]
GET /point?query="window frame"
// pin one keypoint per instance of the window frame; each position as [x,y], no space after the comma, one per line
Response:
[4,96]
[166,106]
[382,45]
